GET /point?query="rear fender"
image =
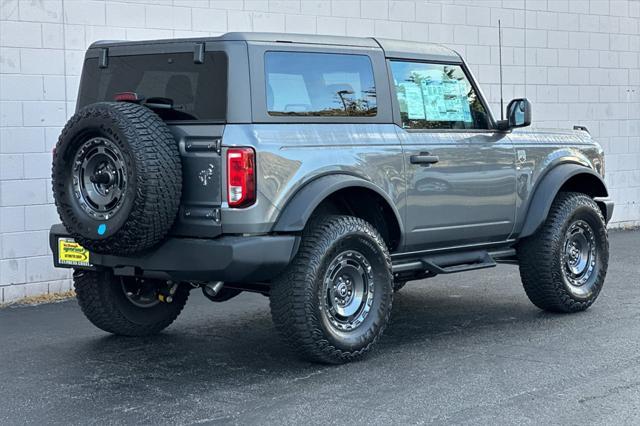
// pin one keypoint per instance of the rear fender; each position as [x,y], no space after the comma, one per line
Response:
[301,206]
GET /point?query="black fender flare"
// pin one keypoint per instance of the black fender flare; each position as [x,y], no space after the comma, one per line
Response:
[300,207]
[547,189]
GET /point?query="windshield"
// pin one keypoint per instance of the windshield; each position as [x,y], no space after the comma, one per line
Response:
[195,91]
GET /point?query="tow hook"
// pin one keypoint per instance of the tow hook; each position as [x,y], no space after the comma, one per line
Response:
[165,295]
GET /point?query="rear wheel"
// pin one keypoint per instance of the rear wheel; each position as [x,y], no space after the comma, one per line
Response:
[564,264]
[334,300]
[128,306]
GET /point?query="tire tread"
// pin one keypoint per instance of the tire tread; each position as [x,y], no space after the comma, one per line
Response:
[159,177]
[95,295]
[292,294]
[540,268]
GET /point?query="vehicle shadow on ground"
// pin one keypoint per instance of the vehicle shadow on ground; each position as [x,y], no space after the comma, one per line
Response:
[202,349]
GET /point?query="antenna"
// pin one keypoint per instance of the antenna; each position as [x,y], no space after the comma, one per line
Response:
[500,56]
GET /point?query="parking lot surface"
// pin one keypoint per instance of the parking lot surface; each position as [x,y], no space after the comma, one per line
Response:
[466,348]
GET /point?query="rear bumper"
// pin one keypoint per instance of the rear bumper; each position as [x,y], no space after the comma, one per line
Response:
[230,258]
[607,203]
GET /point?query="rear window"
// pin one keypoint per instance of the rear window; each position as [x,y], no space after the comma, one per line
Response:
[198,91]
[319,84]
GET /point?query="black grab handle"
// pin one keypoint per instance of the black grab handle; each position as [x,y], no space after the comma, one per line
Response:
[424,158]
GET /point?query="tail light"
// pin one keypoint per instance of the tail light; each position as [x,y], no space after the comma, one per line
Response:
[241,177]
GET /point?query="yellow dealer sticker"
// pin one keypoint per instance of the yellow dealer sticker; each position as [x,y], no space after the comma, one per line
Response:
[72,253]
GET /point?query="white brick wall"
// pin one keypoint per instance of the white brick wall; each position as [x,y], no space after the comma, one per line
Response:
[577,60]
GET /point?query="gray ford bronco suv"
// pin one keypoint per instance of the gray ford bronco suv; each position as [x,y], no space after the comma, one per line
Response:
[322,172]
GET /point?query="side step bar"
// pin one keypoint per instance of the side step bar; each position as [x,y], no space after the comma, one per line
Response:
[449,263]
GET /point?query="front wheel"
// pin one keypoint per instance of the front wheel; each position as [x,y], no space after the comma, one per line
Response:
[334,300]
[128,306]
[564,264]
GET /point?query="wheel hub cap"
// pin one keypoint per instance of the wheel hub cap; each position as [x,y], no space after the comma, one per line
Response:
[579,254]
[99,177]
[348,290]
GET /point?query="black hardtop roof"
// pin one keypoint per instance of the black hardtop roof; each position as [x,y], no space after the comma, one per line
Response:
[392,48]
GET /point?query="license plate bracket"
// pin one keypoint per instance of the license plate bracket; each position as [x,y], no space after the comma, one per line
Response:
[71,253]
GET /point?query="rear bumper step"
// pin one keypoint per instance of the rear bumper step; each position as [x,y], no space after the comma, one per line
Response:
[229,258]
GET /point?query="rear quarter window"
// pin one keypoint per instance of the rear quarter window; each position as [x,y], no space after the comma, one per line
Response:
[319,84]
[198,91]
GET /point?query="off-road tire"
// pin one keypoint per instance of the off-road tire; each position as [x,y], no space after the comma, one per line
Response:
[153,170]
[540,256]
[103,301]
[296,295]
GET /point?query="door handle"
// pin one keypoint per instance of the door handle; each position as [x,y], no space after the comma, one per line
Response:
[424,158]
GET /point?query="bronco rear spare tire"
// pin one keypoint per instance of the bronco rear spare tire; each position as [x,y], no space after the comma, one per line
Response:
[117,178]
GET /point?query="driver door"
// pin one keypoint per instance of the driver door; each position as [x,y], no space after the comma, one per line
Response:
[460,172]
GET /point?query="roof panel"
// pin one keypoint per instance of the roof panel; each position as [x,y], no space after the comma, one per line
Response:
[392,48]
[260,37]
[416,50]
[302,38]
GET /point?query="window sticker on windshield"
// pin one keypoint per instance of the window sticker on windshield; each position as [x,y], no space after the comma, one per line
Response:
[413,100]
[445,100]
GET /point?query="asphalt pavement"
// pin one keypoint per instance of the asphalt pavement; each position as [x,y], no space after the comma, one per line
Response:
[461,349]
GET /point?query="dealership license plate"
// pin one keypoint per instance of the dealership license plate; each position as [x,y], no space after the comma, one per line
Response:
[72,253]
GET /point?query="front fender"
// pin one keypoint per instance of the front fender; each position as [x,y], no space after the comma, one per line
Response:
[300,207]
[549,186]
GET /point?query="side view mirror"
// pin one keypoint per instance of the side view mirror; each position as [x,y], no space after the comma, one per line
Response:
[518,115]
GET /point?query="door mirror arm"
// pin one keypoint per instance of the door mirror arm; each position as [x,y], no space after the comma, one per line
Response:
[503,126]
